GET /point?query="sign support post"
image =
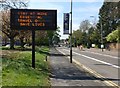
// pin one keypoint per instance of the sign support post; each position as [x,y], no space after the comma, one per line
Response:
[33,48]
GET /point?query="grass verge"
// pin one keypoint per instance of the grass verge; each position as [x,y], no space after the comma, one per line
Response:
[17,70]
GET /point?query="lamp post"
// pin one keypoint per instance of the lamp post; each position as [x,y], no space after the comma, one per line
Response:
[93,25]
[101,36]
[102,46]
[94,22]
[87,38]
[71,35]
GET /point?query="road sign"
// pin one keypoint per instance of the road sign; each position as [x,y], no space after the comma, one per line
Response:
[29,19]
[66,23]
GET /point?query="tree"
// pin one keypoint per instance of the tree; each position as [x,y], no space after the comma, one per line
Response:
[11,34]
[114,36]
[109,17]
[24,37]
[85,25]
[47,37]
[12,4]
[6,5]
[79,36]
[95,36]
[4,39]
[56,37]
[41,38]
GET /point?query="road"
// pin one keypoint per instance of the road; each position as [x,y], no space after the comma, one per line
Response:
[69,75]
[104,63]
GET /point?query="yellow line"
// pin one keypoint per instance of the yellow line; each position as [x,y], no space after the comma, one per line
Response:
[109,83]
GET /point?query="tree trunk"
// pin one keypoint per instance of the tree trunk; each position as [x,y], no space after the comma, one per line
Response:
[22,43]
[12,41]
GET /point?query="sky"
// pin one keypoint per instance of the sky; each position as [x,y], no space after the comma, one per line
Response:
[82,10]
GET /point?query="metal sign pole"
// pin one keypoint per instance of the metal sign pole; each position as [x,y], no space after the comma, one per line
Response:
[33,48]
[71,35]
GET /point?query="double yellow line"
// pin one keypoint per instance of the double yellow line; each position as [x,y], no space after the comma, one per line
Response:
[108,83]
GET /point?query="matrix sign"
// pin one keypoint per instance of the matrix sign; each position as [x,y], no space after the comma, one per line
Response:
[29,19]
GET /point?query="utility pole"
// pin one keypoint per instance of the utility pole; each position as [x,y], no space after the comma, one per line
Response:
[71,35]
[101,37]
[94,21]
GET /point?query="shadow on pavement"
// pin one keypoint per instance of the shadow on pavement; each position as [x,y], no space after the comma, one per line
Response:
[52,54]
[82,76]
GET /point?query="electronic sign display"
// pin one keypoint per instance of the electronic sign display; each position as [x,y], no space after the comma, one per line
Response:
[30,19]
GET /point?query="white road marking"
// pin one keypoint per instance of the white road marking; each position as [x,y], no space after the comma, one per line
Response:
[115,66]
[103,54]
[109,83]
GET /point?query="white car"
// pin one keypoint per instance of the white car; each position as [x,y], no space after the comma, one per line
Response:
[7,46]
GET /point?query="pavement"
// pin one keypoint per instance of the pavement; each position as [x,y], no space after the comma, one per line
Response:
[66,74]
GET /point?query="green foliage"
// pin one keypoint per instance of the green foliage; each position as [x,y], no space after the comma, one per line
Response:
[17,70]
[85,25]
[114,36]
[109,17]
[47,37]
[95,36]
[79,37]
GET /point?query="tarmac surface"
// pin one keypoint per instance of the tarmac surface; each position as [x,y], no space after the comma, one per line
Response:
[66,74]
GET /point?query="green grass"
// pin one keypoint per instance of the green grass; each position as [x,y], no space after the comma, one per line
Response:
[17,70]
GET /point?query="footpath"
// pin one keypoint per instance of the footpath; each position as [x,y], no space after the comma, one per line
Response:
[66,74]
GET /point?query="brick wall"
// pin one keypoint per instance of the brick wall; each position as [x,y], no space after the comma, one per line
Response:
[114,46]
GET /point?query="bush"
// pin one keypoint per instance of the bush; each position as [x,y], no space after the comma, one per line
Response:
[114,36]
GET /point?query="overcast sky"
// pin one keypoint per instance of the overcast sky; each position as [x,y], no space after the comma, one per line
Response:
[82,10]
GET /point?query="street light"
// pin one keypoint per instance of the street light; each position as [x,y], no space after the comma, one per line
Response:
[87,38]
[94,23]
[71,35]
[102,46]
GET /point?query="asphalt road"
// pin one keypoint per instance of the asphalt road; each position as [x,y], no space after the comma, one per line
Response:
[103,63]
[70,75]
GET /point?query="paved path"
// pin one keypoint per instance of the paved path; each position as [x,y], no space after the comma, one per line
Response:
[67,74]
